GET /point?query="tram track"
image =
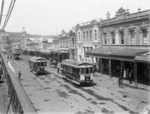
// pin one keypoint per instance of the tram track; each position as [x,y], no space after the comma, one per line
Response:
[90,90]
[76,89]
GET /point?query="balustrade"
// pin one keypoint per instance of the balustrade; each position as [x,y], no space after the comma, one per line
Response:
[18,101]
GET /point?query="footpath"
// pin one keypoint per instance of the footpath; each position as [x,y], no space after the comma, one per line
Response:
[3,98]
[125,82]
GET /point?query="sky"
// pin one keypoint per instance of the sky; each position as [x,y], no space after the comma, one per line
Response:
[50,17]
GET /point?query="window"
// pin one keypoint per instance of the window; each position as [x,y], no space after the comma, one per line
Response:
[73,42]
[87,35]
[90,35]
[122,37]
[96,46]
[105,38]
[84,36]
[79,47]
[95,34]
[113,37]
[79,36]
[132,36]
[144,31]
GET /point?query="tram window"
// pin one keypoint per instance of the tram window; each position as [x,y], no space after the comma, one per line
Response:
[42,64]
[91,70]
[82,70]
[86,70]
[38,64]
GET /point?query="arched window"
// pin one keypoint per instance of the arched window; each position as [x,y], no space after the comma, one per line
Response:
[144,36]
[105,38]
[122,37]
[113,37]
[132,36]
[95,34]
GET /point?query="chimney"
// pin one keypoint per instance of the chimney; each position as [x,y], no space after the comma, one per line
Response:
[139,9]
[108,15]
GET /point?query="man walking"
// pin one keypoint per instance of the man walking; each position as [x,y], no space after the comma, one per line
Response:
[19,75]
[130,76]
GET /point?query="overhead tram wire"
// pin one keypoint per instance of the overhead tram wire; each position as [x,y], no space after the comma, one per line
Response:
[11,6]
[8,12]
[1,15]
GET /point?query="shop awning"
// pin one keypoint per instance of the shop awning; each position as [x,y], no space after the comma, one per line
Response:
[144,57]
[100,52]
[125,54]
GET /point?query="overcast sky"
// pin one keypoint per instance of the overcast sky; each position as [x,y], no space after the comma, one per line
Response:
[51,16]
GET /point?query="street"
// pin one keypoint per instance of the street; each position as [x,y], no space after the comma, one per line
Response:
[52,93]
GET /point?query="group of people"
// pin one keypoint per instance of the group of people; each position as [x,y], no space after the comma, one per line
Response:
[126,74]
[1,72]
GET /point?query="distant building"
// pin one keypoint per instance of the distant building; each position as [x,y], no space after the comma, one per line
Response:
[125,45]
[87,38]
[73,44]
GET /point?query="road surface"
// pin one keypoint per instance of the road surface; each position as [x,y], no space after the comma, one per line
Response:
[52,93]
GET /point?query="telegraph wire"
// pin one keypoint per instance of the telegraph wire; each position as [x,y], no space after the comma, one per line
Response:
[11,6]
[1,15]
[8,12]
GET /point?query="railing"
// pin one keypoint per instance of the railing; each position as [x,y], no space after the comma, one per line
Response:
[18,101]
[128,46]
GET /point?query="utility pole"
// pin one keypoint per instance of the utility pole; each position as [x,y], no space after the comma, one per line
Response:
[1,15]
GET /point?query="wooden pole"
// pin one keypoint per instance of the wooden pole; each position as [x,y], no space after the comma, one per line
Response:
[101,67]
[110,68]
[135,75]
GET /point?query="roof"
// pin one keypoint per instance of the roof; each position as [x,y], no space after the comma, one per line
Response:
[37,59]
[143,57]
[77,64]
[118,54]
[64,50]
[100,51]
[126,52]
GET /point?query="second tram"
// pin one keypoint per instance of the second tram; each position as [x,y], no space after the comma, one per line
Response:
[57,56]
[79,72]
[37,65]
[16,53]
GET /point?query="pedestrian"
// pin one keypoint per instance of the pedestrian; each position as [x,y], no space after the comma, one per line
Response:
[120,79]
[124,74]
[94,69]
[19,75]
[130,76]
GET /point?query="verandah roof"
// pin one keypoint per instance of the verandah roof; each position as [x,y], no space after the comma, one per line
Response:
[143,57]
[116,54]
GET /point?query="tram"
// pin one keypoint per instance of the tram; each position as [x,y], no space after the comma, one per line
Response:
[77,71]
[37,65]
[57,56]
[16,53]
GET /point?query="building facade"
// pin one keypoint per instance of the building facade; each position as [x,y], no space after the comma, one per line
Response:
[73,45]
[87,38]
[123,38]
[126,30]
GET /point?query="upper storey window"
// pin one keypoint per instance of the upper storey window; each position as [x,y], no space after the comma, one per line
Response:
[90,35]
[122,37]
[87,35]
[105,38]
[95,34]
[132,36]
[84,35]
[79,35]
[113,37]
[144,35]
